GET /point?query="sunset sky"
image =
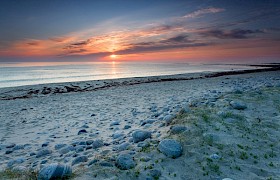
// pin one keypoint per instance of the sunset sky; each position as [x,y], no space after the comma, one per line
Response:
[189,30]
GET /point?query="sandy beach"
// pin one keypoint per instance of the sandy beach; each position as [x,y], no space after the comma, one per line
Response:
[188,126]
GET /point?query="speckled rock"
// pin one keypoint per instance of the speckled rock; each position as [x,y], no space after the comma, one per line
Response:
[171,148]
[140,135]
[125,161]
[79,159]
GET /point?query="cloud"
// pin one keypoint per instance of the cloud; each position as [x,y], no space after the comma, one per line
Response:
[230,34]
[200,12]
[60,39]
[33,43]
[78,45]
[179,41]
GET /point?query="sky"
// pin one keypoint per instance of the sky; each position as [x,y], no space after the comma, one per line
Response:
[146,30]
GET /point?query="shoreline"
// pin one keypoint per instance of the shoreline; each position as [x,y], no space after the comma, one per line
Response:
[29,91]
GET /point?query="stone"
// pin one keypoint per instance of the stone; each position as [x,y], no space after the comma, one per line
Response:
[79,160]
[185,109]
[114,123]
[171,148]
[215,156]
[117,135]
[83,143]
[79,148]
[9,152]
[16,161]
[43,152]
[125,161]
[92,162]
[155,173]
[177,129]
[18,147]
[143,144]
[140,135]
[89,142]
[106,164]
[45,144]
[54,171]
[127,127]
[123,146]
[44,161]
[11,145]
[59,146]
[97,144]
[66,149]
[168,119]
[148,121]
[82,131]
[85,126]
[145,158]
[238,105]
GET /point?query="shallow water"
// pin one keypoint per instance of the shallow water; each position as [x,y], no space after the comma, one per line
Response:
[19,74]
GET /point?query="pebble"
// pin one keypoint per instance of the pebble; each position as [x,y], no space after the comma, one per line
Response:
[82,131]
[114,123]
[117,135]
[8,152]
[177,129]
[127,127]
[59,146]
[97,144]
[43,152]
[171,148]
[125,161]
[10,145]
[238,105]
[79,159]
[16,161]
[54,171]
[79,149]
[89,142]
[168,119]
[123,146]
[155,173]
[18,147]
[146,158]
[45,144]
[106,164]
[66,149]
[215,156]
[92,162]
[142,144]
[140,135]
[148,121]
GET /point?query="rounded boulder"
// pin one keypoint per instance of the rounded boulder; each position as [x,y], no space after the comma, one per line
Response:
[171,148]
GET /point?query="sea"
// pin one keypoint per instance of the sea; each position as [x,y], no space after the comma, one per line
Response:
[30,73]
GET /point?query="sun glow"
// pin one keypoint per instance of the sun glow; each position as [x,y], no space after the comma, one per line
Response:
[113,56]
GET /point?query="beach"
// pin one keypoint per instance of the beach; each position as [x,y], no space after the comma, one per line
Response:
[219,125]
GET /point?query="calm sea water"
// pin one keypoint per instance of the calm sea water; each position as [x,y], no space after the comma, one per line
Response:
[19,74]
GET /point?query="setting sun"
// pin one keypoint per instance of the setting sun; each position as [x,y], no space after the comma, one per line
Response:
[113,56]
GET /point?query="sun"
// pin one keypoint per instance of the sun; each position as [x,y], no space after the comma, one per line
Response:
[113,56]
